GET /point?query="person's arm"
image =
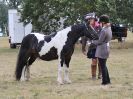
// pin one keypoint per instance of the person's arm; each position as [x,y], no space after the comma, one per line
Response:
[101,39]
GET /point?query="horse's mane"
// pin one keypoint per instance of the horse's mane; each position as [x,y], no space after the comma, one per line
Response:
[78,27]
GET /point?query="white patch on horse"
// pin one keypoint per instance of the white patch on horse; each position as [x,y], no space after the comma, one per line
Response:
[59,78]
[40,37]
[23,74]
[58,41]
[66,74]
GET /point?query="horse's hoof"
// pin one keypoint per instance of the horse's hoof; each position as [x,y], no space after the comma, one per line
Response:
[67,81]
[60,82]
[22,80]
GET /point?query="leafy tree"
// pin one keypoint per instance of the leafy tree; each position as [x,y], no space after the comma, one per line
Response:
[4,6]
[125,10]
[118,10]
[3,15]
[13,4]
[107,7]
[46,14]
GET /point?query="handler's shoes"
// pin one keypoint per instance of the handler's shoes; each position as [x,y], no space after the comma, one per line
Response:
[108,83]
[105,86]
[93,77]
[99,76]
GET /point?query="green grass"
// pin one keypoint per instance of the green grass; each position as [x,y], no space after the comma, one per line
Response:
[43,85]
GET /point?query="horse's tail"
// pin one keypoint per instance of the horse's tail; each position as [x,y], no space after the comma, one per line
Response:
[21,62]
[24,54]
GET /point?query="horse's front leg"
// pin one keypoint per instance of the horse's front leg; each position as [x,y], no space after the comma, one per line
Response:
[66,69]
[60,68]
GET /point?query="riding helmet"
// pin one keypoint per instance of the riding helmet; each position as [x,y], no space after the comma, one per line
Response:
[89,16]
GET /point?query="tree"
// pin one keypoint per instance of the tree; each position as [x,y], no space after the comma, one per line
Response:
[3,15]
[13,4]
[125,10]
[107,7]
[4,6]
[118,10]
[45,15]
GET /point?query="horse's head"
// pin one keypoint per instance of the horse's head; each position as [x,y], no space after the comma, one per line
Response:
[90,32]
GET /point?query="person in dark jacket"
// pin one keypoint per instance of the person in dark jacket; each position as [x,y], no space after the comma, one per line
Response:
[91,20]
[103,49]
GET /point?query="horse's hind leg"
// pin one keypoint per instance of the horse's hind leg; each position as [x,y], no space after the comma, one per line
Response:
[27,68]
[66,70]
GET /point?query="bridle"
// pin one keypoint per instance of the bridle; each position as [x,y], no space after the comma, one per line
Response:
[88,29]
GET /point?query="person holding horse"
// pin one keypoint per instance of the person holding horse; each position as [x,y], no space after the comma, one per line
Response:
[102,50]
[92,21]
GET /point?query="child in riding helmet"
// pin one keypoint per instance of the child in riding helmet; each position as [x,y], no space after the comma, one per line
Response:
[92,21]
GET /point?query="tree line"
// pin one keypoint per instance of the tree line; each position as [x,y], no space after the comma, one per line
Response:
[47,15]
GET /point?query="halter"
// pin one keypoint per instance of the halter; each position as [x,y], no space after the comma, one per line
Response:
[87,28]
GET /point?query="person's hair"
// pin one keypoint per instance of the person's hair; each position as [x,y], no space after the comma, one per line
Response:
[104,18]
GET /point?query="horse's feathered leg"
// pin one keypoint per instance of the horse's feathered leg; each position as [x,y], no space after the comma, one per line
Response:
[23,74]
[60,67]
[26,73]
[66,70]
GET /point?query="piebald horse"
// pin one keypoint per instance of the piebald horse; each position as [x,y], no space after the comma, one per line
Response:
[58,45]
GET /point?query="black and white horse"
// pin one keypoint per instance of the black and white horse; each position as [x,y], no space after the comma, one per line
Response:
[58,45]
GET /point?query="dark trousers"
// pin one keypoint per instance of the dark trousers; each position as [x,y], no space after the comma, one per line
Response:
[105,74]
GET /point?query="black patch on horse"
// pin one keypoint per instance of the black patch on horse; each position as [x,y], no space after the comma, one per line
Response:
[28,40]
[41,43]
[51,55]
[74,34]
[48,38]
[78,28]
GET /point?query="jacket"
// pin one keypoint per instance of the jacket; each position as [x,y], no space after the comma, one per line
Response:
[103,49]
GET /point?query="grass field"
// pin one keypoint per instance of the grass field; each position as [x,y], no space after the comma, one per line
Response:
[43,85]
